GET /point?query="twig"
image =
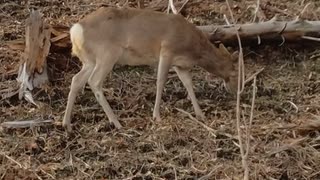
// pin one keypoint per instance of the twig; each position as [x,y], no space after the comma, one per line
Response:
[275,9]
[256,11]
[294,105]
[283,40]
[45,172]
[239,91]
[212,131]
[287,146]
[303,10]
[311,38]
[183,5]
[259,39]
[171,6]
[11,159]
[251,116]
[175,173]
[208,176]
[193,167]
[226,19]
[26,123]
[254,75]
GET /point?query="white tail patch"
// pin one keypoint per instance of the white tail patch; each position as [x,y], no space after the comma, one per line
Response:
[77,39]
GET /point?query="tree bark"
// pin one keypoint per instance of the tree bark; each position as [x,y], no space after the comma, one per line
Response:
[32,71]
[271,30]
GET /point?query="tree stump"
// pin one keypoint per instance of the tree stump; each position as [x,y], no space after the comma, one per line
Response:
[33,67]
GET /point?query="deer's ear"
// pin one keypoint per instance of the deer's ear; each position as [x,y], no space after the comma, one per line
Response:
[223,49]
[235,56]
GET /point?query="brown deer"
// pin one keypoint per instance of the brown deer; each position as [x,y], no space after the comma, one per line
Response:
[134,37]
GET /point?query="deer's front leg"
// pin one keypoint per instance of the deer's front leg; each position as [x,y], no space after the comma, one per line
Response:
[185,77]
[162,75]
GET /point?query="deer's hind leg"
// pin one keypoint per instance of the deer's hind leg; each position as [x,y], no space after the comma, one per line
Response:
[78,82]
[104,65]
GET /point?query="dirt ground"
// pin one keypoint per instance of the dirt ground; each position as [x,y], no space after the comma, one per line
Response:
[178,147]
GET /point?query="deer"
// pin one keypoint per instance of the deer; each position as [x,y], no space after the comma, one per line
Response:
[134,37]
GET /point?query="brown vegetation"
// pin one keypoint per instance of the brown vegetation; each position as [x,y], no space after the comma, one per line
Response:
[284,135]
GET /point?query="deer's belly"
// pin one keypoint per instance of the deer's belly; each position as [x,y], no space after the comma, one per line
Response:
[134,58]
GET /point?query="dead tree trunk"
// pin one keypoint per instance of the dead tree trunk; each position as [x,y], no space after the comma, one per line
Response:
[271,30]
[32,71]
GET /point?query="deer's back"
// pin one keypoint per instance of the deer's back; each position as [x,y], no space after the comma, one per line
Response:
[141,34]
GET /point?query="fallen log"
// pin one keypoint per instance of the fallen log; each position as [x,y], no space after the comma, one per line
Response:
[272,30]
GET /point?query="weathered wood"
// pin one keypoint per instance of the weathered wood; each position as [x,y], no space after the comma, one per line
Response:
[59,38]
[292,31]
[37,43]
[26,123]
[32,72]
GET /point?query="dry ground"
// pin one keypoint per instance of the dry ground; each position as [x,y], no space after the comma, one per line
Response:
[177,147]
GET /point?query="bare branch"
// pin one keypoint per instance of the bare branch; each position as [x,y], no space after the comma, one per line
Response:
[303,10]
[270,30]
[253,76]
[183,5]
[226,19]
[240,89]
[212,131]
[248,129]
[171,6]
[311,38]
[26,123]
[256,11]
[12,160]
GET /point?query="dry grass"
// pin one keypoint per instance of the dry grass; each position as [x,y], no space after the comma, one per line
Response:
[284,140]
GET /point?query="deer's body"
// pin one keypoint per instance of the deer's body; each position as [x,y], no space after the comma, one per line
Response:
[112,36]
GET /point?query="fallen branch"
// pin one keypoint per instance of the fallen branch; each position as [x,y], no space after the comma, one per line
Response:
[244,155]
[285,147]
[172,7]
[271,30]
[248,128]
[212,131]
[14,161]
[254,75]
[256,11]
[26,123]
[162,5]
